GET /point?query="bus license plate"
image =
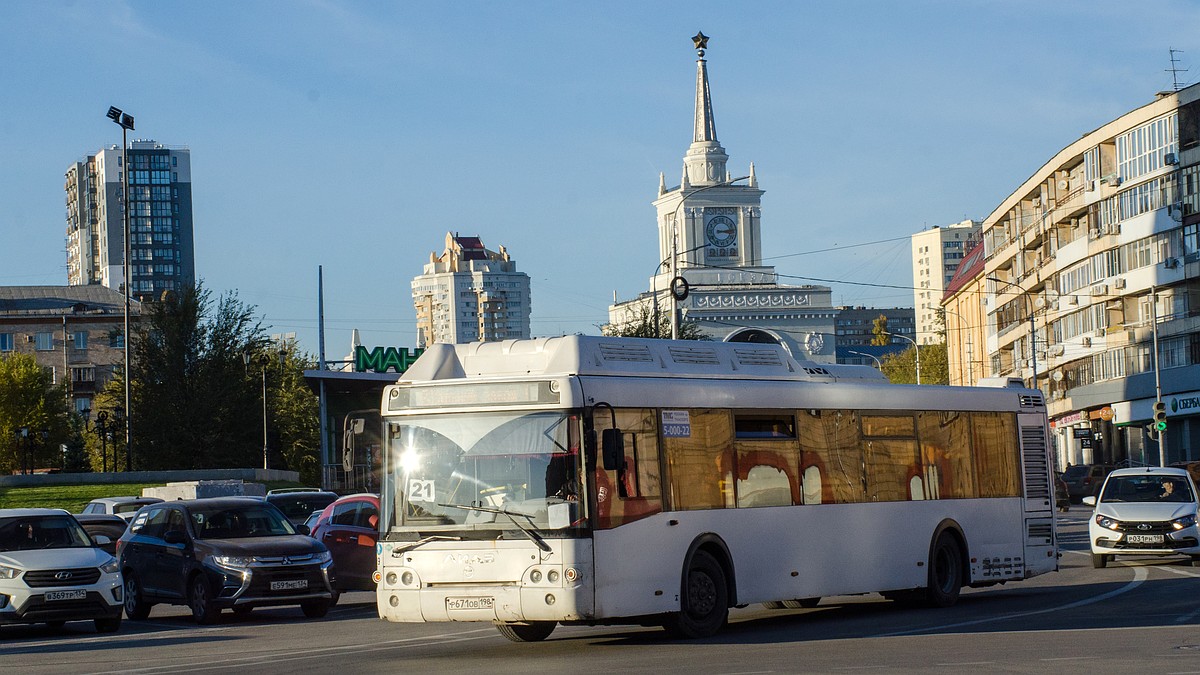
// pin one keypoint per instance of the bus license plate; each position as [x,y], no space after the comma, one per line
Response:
[66,595]
[470,603]
[1144,538]
[289,585]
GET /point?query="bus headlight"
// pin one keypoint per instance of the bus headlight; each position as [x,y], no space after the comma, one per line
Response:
[407,578]
[392,578]
[552,577]
[535,576]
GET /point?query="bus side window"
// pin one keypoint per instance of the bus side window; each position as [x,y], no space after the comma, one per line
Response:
[831,447]
[642,494]
[768,472]
[701,463]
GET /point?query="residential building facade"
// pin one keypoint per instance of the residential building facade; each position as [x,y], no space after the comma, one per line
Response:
[75,332]
[162,251]
[470,294]
[1091,263]
[709,239]
[964,307]
[936,254]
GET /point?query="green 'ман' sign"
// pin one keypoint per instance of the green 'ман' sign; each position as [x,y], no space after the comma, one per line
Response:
[383,359]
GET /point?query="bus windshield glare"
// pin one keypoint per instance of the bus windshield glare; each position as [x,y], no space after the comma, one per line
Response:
[486,471]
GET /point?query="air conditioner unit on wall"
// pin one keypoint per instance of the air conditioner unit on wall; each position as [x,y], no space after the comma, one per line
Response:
[1100,289]
[1119,283]
[1087,342]
[1170,158]
[1171,263]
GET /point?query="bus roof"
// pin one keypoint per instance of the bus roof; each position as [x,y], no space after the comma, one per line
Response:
[642,357]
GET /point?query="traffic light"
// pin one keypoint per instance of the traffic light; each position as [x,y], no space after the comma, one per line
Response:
[1160,416]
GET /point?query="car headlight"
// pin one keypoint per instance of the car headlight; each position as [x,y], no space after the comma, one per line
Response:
[1107,523]
[324,557]
[7,572]
[111,567]
[1184,522]
[233,562]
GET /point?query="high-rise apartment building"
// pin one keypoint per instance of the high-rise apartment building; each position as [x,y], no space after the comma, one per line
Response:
[470,294]
[162,253]
[936,253]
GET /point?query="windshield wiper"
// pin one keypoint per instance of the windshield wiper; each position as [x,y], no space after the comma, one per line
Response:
[533,536]
[399,550]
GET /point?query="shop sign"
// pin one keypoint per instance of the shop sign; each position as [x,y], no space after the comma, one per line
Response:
[1071,419]
[1081,432]
[1189,403]
[1106,413]
[383,359]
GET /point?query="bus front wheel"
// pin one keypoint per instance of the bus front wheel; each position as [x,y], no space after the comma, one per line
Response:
[704,604]
[945,572]
[533,631]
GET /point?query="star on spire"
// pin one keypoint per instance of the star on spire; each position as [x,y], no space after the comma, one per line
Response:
[700,41]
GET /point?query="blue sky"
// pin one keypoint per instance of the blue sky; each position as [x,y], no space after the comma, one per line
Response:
[355,135]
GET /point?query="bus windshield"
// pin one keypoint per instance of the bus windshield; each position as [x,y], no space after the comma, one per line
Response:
[497,471]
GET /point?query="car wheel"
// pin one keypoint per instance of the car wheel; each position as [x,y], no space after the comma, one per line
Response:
[945,572]
[110,625]
[704,605]
[1099,560]
[315,609]
[201,602]
[136,607]
[533,631]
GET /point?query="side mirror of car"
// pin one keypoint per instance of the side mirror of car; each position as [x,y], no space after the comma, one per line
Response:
[175,537]
[1089,500]
[303,529]
[101,540]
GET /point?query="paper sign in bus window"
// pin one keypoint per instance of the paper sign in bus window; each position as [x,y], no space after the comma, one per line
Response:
[420,490]
[676,424]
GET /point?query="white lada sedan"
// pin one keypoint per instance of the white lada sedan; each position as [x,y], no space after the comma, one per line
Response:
[1148,511]
[52,572]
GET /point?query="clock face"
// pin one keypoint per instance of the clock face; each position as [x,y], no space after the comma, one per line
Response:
[721,231]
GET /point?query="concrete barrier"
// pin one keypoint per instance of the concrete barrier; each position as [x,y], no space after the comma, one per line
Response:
[248,475]
[200,489]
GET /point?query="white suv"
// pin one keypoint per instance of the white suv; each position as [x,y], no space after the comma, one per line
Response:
[51,572]
[1144,511]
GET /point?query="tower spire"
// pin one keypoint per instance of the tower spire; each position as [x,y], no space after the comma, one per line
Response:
[705,159]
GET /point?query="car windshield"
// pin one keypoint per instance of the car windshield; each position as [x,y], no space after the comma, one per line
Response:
[299,506]
[487,470]
[34,532]
[1075,472]
[1147,488]
[235,522]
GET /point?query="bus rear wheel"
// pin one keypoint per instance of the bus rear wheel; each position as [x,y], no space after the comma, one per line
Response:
[945,572]
[704,605]
[533,631]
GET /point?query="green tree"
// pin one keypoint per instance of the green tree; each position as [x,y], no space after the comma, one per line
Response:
[195,402]
[901,368]
[640,321]
[30,400]
[296,416]
[879,328]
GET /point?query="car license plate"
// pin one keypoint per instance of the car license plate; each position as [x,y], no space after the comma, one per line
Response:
[289,585]
[1144,538]
[470,603]
[66,595]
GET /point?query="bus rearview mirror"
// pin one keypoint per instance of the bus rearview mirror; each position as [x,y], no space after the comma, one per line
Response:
[614,449]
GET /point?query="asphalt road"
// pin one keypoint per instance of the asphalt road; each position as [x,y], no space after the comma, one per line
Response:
[1136,616]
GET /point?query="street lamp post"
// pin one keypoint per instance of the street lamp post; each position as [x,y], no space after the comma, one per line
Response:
[916,348]
[675,309]
[125,121]
[1032,328]
[247,357]
[878,363]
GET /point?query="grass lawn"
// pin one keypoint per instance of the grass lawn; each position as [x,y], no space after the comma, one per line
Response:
[74,497]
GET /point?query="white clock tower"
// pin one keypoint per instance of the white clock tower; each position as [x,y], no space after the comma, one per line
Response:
[710,245]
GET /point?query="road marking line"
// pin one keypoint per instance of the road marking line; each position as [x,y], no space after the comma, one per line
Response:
[1139,576]
[294,655]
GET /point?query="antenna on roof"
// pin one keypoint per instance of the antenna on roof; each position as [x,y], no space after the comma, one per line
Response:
[1175,69]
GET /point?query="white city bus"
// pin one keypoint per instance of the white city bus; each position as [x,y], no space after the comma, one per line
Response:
[595,480]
